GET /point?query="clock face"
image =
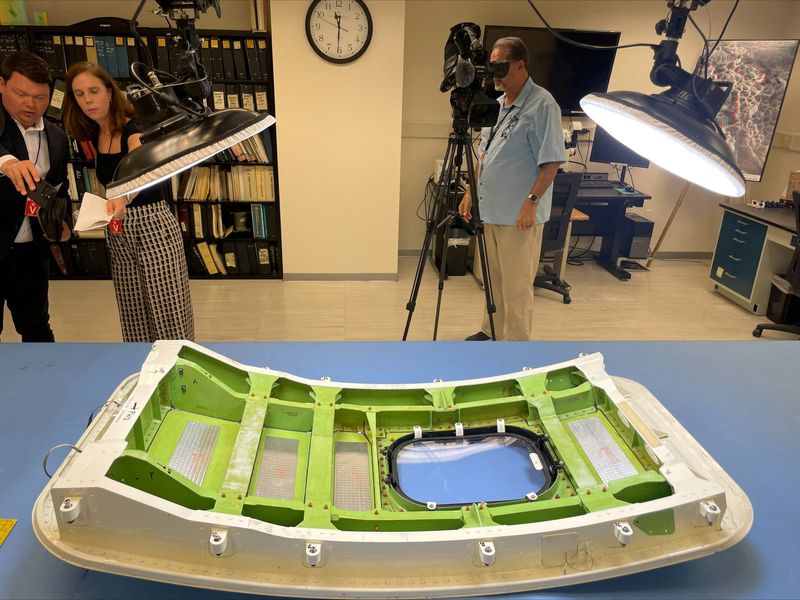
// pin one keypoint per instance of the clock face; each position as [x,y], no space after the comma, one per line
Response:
[339,30]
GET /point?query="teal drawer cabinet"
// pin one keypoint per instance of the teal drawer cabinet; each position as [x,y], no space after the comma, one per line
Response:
[747,254]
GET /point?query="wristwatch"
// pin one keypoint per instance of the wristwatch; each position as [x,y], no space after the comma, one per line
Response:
[533,198]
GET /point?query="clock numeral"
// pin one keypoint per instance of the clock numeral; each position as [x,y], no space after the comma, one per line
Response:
[349,47]
[316,26]
[329,47]
[328,5]
[361,28]
[358,16]
[338,3]
[320,14]
[321,38]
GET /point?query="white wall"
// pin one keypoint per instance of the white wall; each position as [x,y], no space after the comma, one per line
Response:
[426,112]
[339,148]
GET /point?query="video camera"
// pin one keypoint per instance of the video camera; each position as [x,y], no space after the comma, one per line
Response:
[468,72]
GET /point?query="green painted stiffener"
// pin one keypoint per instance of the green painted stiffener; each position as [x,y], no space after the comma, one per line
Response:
[250,407]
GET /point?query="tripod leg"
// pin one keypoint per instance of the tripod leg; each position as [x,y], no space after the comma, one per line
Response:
[434,214]
[481,240]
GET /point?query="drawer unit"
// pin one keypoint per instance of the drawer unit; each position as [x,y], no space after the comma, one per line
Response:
[739,247]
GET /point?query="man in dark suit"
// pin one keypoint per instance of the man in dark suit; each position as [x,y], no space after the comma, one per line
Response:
[30,149]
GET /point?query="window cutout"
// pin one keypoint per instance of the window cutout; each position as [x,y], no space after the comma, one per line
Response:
[481,466]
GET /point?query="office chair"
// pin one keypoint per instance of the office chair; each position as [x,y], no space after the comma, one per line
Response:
[565,194]
[792,277]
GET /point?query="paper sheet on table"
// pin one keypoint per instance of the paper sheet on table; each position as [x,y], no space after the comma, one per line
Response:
[92,214]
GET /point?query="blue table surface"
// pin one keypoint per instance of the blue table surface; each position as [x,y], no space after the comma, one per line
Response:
[738,399]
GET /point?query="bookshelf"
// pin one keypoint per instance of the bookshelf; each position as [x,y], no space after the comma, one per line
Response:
[228,208]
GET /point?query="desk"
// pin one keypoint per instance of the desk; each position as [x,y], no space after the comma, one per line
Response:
[753,244]
[48,391]
[606,209]
[560,257]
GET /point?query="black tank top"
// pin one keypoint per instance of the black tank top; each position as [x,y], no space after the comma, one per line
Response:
[106,164]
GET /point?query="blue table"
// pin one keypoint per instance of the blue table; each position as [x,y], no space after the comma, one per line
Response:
[738,399]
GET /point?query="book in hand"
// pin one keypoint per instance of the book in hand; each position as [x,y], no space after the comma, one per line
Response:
[92,214]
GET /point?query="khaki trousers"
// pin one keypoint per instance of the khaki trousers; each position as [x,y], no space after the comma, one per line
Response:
[513,259]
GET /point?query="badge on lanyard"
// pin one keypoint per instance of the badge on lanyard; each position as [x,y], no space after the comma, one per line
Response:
[115,226]
[31,208]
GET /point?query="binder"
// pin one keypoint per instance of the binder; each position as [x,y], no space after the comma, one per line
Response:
[248,96]
[208,260]
[69,50]
[229,69]
[57,99]
[251,55]
[196,265]
[218,95]
[263,57]
[132,51]
[230,258]
[162,53]
[243,256]
[205,57]
[216,60]
[91,49]
[239,61]
[60,58]
[263,258]
[80,49]
[262,103]
[197,221]
[184,220]
[121,57]
[232,96]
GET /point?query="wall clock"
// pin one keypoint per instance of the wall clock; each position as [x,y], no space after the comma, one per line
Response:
[339,30]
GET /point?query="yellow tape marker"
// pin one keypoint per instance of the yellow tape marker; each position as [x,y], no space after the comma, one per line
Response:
[6,525]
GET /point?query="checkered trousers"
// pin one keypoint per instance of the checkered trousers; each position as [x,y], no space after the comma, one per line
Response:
[148,266]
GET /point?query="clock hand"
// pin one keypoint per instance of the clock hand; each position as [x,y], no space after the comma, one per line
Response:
[334,24]
[338,31]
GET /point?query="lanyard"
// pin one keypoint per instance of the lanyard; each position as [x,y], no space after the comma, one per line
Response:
[496,128]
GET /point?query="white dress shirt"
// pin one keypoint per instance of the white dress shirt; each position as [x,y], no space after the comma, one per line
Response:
[36,143]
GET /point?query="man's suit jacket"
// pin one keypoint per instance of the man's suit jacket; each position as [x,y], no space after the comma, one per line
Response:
[12,203]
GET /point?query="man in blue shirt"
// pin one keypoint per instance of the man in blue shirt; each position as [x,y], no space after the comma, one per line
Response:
[519,159]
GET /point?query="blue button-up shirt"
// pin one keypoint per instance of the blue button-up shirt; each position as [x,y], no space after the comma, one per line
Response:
[527,134]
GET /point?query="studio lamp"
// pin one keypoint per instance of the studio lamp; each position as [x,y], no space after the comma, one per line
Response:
[674,129]
[178,130]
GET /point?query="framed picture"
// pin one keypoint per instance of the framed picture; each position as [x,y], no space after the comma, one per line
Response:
[759,71]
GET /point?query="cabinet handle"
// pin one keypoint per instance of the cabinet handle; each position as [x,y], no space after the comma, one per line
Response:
[740,231]
[738,240]
[731,256]
[745,223]
[726,274]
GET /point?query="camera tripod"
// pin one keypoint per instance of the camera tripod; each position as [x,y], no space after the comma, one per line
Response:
[442,212]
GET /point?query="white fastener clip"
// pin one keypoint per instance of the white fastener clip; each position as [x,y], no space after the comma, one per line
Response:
[623,532]
[486,552]
[431,505]
[313,555]
[70,509]
[459,430]
[537,464]
[532,496]
[501,425]
[218,542]
[710,511]
[417,432]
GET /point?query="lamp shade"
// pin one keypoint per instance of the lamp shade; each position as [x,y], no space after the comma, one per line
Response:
[162,156]
[670,135]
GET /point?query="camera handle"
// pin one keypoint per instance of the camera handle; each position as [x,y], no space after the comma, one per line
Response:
[459,144]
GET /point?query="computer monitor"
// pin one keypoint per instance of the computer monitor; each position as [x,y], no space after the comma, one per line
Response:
[566,71]
[606,149]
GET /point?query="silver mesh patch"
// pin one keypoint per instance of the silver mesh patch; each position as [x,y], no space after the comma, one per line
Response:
[351,477]
[278,469]
[193,452]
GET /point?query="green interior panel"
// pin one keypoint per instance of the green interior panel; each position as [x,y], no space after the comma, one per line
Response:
[290,453]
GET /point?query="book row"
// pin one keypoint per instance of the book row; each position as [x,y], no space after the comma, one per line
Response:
[216,221]
[249,183]
[233,258]
[225,59]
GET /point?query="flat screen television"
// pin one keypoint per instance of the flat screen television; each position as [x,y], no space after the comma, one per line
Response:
[566,71]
